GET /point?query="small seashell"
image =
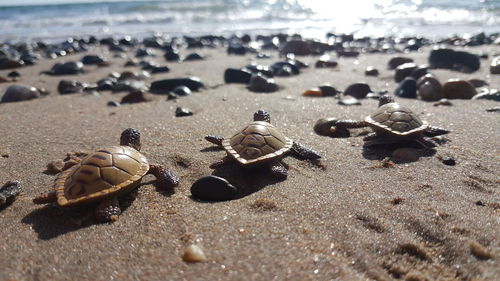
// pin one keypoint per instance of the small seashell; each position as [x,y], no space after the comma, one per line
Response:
[193,253]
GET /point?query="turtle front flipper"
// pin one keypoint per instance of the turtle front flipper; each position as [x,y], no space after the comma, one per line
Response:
[278,170]
[221,162]
[305,151]
[165,178]
[214,139]
[426,142]
[432,131]
[45,198]
[108,210]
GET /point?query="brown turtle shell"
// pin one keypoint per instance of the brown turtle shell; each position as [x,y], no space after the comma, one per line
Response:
[107,171]
[257,142]
[396,119]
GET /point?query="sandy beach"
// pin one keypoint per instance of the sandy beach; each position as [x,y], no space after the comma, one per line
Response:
[345,218]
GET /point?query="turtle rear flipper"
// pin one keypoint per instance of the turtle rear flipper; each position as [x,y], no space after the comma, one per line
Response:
[45,198]
[305,151]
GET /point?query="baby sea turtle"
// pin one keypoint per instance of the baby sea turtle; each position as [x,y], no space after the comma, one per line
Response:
[391,122]
[104,175]
[260,143]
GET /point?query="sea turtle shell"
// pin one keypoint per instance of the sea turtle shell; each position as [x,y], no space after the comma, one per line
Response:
[396,119]
[105,172]
[257,142]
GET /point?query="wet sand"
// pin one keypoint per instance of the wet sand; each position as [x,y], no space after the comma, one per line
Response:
[348,218]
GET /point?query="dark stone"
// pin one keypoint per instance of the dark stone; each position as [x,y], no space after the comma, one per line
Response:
[144,53]
[92,59]
[349,100]
[136,97]
[193,56]
[172,96]
[347,53]
[172,56]
[236,49]
[456,60]
[116,48]
[404,71]
[478,83]
[326,62]
[419,71]
[14,74]
[277,66]
[167,85]
[182,112]
[182,91]
[232,75]
[328,91]
[397,61]
[358,90]
[261,84]
[448,160]
[106,84]
[371,71]
[262,69]
[113,104]
[159,69]
[488,94]
[8,193]
[70,87]
[16,93]
[67,68]
[6,63]
[212,188]
[407,88]
[297,47]
[458,89]
[493,109]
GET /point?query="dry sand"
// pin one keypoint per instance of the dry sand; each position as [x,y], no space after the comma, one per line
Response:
[350,219]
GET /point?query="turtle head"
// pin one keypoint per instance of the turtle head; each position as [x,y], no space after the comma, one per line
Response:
[262,115]
[384,100]
[131,137]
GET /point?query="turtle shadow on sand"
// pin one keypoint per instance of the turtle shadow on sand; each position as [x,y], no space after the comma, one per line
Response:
[382,151]
[51,221]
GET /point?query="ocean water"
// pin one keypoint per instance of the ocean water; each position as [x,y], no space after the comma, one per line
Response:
[25,20]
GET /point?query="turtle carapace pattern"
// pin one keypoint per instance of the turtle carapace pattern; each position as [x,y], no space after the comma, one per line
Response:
[104,175]
[260,143]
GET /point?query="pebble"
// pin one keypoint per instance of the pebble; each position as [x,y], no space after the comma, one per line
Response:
[67,68]
[193,56]
[323,126]
[136,97]
[236,49]
[213,188]
[70,87]
[172,55]
[182,91]
[167,85]
[6,63]
[16,93]
[347,53]
[403,71]
[297,47]
[328,90]
[444,102]
[407,88]
[172,96]
[93,59]
[287,66]
[495,65]
[493,109]
[314,92]
[448,160]
[193,253]
[262,69]
[8,192]
[158,69]
[358,90]
[458,89]
[326,62]
[261,84]
[487,94]
[429,88]
[232,75]
[420,71]
[113,104]
[182,112]
[406,154]
[349,100]
[144,52]
[456,60]
[14,74]
[397,61]
[478,83]
[371,71]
